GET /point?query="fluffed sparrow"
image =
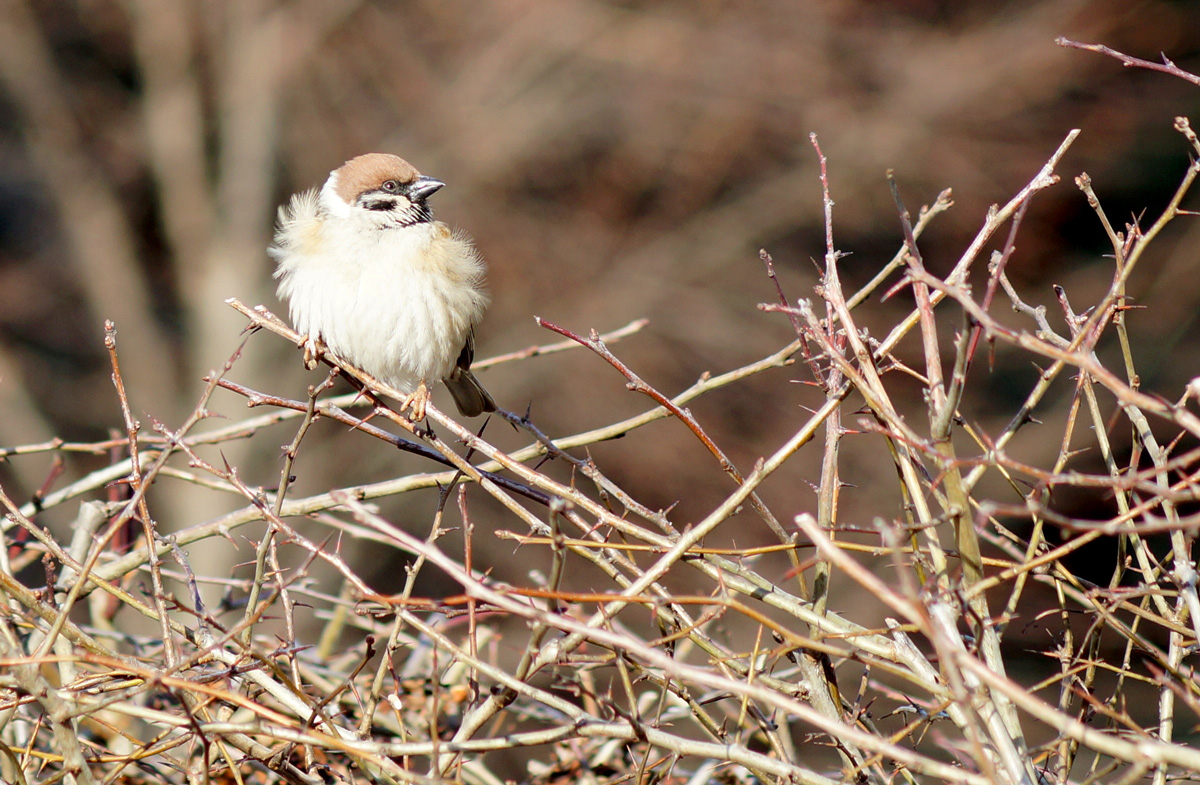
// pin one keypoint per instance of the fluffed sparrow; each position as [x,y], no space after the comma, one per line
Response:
[367,271]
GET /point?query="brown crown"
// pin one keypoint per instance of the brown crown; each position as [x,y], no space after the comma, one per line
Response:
[368,172]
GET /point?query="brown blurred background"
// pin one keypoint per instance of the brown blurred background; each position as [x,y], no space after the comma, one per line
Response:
[614,160]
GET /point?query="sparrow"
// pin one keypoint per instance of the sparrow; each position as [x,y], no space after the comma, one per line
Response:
[368,274]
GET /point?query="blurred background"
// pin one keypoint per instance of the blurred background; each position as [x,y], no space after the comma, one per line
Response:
[613,160]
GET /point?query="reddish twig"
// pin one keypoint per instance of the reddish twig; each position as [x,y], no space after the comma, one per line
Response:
[1166,66]
[637,384]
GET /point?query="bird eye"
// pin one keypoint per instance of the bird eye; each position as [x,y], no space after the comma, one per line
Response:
[391,186]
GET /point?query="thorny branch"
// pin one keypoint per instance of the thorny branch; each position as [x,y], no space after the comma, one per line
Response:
[624,643]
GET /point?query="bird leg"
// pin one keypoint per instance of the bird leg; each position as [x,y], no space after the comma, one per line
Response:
[418,399]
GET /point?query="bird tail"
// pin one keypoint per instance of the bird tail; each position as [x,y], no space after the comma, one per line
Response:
[470,397]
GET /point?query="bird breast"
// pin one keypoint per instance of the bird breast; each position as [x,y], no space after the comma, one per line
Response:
[397,302]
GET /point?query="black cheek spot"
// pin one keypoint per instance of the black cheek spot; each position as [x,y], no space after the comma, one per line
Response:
[379,205]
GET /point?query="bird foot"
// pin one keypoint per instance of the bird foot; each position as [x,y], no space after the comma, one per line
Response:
[313,347]
[416,401]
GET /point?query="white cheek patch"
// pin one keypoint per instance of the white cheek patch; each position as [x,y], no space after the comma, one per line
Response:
[330,201]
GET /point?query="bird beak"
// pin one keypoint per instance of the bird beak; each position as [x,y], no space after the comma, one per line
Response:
[423,188]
